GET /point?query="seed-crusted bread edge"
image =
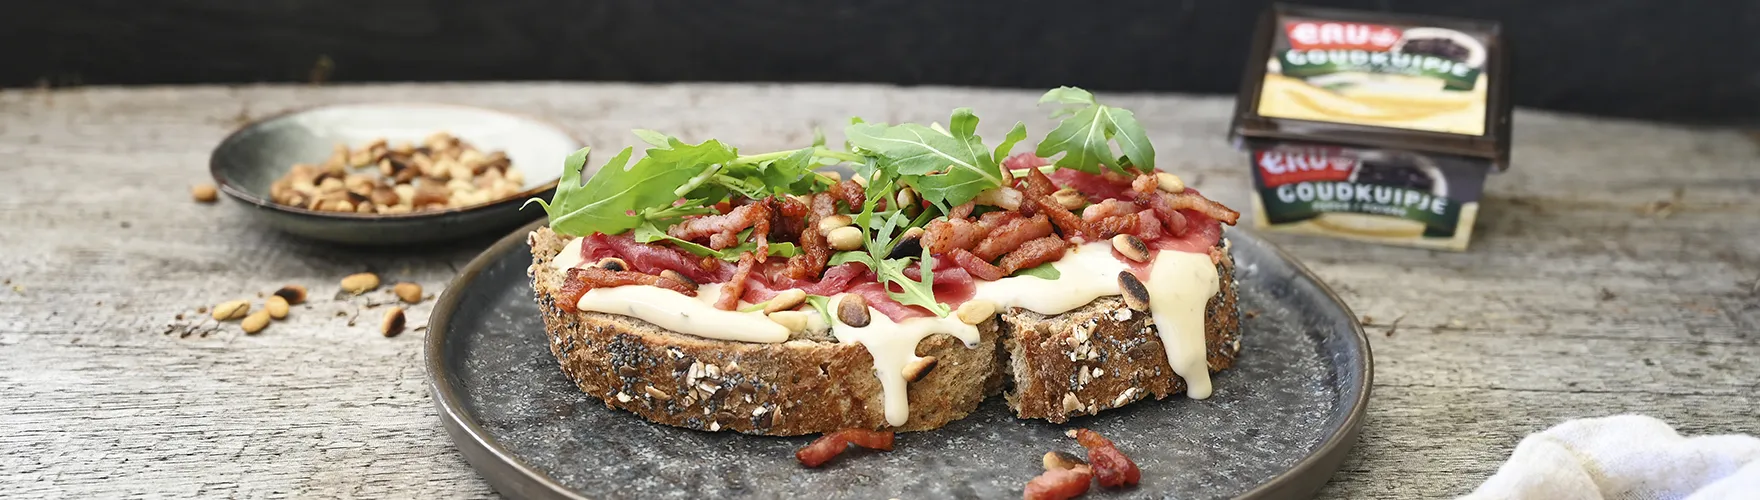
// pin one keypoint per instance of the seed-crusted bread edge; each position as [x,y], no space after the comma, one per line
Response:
[792,388]
[1105,355]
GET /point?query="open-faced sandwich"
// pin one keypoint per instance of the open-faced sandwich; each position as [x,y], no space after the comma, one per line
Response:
[766,294]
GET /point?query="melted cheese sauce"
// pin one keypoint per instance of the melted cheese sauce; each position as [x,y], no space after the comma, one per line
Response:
[894,346]
[672,310]
[1180,286]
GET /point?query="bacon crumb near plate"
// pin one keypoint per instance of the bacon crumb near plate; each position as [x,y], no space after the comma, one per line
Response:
[1110,465]
[1059,484]
[833,444]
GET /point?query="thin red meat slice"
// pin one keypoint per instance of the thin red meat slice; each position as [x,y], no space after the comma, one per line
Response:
[651,258]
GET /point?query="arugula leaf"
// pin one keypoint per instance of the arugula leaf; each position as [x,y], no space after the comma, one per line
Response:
[652,137]
[1088,127]
[1015,136]
[1042,271]
[945,169]
[603,204]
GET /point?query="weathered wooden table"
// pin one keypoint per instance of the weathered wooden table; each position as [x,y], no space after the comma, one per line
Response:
[1616,269]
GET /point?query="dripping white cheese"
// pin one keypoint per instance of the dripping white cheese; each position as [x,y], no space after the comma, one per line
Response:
[1180,286]
[675,311]
[894,346]
[570,257]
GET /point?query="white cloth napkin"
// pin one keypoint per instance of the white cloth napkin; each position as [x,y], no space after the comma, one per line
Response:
[1626,457]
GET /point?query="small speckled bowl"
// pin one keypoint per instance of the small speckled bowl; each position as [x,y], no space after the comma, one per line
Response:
[253,157]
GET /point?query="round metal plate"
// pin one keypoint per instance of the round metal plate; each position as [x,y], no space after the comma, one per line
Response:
[1278,426]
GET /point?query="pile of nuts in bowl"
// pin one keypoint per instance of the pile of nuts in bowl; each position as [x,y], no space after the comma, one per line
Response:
[443,172]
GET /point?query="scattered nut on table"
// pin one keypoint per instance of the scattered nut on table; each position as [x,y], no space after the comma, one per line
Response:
[360,283]
[204,192]
[293,294]
[408,292]
[275,306]
[231,310]
[255,322]
[393,322]
[443,172]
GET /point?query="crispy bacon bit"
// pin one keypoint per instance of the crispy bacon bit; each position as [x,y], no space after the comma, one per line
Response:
[814,249]
[963,210]
[1116,225]
[1033,253]
[1190,199]
[851,194]
[1012,234]
[1113,468]
[723,230]
[1108,208]
[833,444]
[1060,484]
[944,235]
[1072,226]
[1173,222]
[1039,189]
[1149,228]
[736,286]
[573,287]
[975,266]
[599,277]
[1145,183]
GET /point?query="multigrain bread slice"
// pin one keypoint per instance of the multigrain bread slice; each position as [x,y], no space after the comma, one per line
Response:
[809,385]
[802,386]
[1106,355]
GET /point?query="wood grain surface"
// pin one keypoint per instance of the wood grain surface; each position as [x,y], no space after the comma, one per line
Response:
[1616,269]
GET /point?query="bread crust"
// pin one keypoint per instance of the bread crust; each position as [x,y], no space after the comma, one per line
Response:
[806,386]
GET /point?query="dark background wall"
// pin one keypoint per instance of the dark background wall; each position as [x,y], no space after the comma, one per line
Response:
[1694,61]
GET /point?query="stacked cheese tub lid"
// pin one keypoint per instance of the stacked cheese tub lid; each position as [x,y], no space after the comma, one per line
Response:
[1373,126]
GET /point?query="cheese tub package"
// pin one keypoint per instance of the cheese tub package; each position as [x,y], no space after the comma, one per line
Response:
[1373,126]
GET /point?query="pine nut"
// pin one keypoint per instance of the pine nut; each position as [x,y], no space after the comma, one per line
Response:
[788,299]
[845,238]
[1169,182]
[1131,247]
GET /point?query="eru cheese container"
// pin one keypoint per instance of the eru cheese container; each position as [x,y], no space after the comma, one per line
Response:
[1373,126]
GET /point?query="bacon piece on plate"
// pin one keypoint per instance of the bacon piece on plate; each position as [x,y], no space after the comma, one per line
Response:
[1110,465]
[599,277]
[977,267]
[962,210]
[1011,235]
[833,444]
[1033,253]
[736,286]
[1059,484]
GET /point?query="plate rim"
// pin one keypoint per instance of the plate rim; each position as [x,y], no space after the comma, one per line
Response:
[512,477]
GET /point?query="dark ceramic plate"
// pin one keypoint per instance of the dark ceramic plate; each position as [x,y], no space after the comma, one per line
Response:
[252,158]
[1278,425]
